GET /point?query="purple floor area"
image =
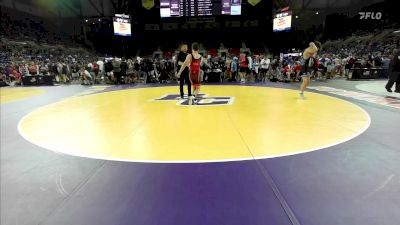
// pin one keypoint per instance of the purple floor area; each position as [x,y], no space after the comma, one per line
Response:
[217,193]
[354,183]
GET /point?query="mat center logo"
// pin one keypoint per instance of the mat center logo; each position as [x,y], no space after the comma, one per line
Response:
[203,100]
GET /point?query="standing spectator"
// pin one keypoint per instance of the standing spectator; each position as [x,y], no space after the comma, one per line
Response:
[100,62]
[117,70]
[330,68]
[234,68]
[339,66]
[264,67]
[394,73]
[108,69]
[130,72]
[243,67]
[124,68]
[90,67]
[64,73]
[250,68]
[349,65]
[228,71]
[386,62]
[256,67]
[59,76]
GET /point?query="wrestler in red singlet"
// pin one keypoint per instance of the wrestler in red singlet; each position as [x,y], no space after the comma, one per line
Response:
[195,71]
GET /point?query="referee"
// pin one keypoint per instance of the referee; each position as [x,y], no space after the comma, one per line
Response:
[184,78]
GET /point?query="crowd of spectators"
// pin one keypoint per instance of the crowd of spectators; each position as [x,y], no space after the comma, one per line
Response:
[20,59]
[66,65]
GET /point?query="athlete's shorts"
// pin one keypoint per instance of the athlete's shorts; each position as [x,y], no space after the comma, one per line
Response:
[195,78]
[244,70]
[306,69]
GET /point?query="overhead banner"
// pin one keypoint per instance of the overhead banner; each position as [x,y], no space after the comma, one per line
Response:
[148,4]
[253,2]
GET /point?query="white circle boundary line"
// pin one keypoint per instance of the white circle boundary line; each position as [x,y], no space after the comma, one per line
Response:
[198,161]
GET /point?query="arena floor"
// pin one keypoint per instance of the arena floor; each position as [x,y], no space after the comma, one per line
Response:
[251,154]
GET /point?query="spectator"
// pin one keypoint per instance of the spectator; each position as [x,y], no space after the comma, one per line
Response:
[86,78]
[95,70]
[394,73]
[386,62]
[23,69]
[3,80]
[75,71]
[256,68]
[296,71]
[15,77]
[33,69]
[90,67]
[59,72]
[124,68]
[130,72]
[234,68]
[64,73]
[287,71]
[244,67]
[100,62]
[108,69]
[117,70]
[228,71]
[250,68]
[265,61]
[370,62]
[44,69]
[339,66]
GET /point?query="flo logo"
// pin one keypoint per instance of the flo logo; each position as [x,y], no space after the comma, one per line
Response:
[370,15]
[203,100]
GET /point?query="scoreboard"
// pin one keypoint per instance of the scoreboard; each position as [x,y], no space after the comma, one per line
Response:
[122,25]
[190,8]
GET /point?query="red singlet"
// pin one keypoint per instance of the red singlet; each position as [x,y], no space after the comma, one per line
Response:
[243,62]
[195,71]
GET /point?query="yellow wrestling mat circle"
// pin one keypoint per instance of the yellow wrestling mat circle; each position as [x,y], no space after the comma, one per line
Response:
[149,125]
[15,94]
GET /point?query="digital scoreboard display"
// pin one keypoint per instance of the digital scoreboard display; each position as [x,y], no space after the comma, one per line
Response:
[122,25]
[191,8]
[282,21]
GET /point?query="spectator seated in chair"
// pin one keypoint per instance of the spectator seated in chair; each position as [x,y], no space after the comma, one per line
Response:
[296,72]
[15,77]
[95,70]
[86,78]
[33,69]
[3,81]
